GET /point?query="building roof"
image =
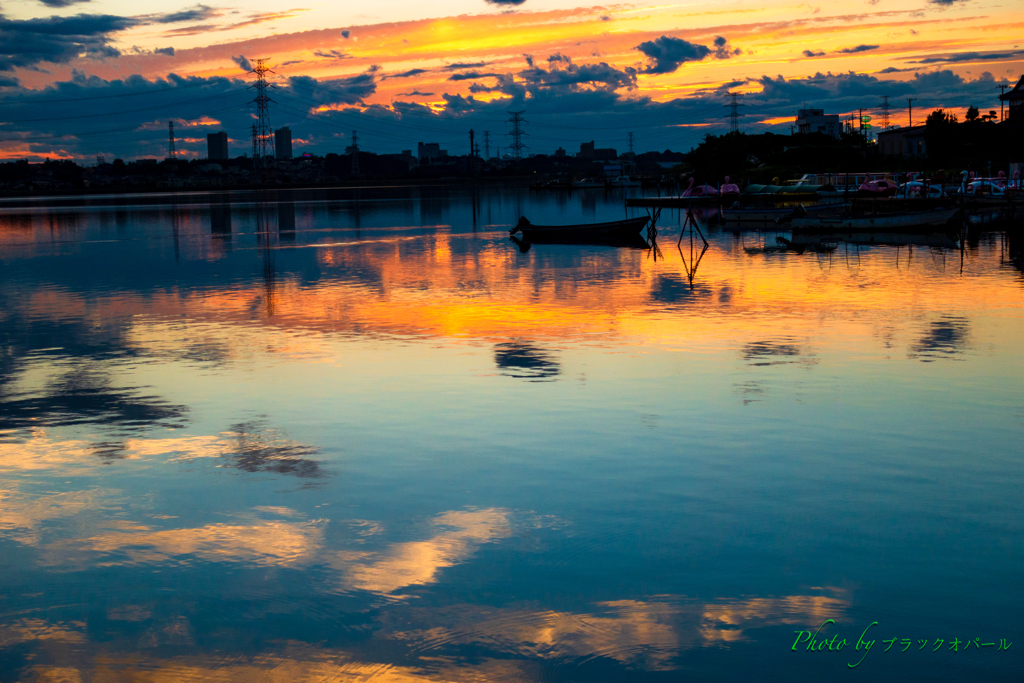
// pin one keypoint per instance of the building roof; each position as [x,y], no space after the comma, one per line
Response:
[903,131]
[1016,94]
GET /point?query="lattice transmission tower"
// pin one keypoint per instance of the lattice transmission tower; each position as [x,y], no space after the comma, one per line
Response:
[262,140]
[629,141]
[517,134]
[734,113]
[170,140]
[353,149]
[885,112]
[487,144]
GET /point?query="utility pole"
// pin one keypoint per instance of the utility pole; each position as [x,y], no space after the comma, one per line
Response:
[170,140]
[262,154]
[734,113]
[472,153]
[487,144]
[353,149]
[910,111]
[1002,91]
[472,145]
[517,134]
[885,112]
[630,140]
[860,122]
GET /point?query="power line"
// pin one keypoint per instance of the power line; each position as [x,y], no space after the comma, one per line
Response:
[103,97]
[128,111]
[110,131]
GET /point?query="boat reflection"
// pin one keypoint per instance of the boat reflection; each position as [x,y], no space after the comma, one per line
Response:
[526,361]
[84,396]
[943,338]
[623,242]
[813,241]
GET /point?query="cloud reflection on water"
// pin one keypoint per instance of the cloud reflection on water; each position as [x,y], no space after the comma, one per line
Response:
[455,643]
[415,563]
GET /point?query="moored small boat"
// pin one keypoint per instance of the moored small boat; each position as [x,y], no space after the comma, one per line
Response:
[775,215]
[895,222]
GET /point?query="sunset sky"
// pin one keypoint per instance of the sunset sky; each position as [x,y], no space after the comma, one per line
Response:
[96,77]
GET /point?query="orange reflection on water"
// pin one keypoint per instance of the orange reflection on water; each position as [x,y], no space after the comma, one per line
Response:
[262,543]
[493,293]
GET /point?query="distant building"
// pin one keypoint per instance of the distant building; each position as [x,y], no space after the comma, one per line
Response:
[1015,101]
[430,150]
[217,146]
[283,143]
[817,121]
[560,153]
[589,152]
[908,142]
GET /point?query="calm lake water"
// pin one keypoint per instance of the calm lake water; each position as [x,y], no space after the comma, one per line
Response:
[360,435]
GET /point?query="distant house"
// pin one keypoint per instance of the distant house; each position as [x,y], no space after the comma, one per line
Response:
[817,121]
[1015,102]
[908,142]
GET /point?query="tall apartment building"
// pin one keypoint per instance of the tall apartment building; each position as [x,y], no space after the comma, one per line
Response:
[283,143]
[217,146]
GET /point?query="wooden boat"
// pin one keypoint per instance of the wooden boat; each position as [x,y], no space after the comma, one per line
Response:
[674,201]
[629,227]
[893,222]
[778,215]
